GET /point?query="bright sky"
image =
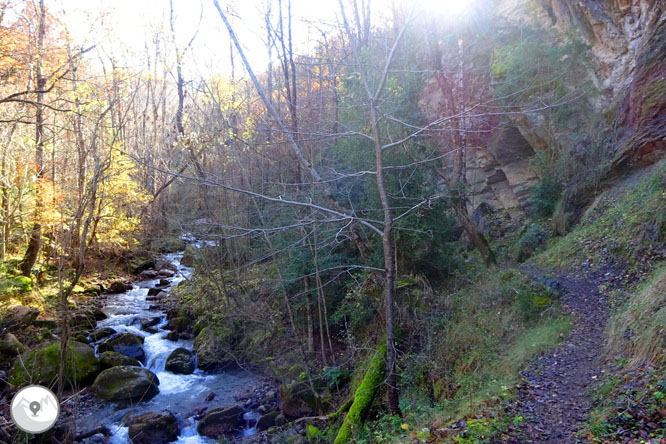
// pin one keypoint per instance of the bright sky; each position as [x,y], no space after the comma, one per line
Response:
[133,22]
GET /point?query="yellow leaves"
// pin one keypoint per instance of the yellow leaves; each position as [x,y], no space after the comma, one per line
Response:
[121,198]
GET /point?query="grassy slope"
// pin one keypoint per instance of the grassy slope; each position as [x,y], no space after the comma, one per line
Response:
[485,348]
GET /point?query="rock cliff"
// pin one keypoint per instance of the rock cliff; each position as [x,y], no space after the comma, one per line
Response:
[626,66]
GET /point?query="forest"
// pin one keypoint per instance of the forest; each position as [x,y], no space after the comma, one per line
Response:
[353,221]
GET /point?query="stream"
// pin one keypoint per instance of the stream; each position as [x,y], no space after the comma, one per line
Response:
[180,394]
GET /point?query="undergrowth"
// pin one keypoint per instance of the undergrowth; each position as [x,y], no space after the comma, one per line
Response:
[628,226]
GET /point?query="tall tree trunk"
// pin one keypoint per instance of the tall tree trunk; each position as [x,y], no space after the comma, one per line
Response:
[389,265]
[35,242]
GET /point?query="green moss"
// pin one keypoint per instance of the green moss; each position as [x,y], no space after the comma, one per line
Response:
[41,366]
[624,223]
[312,433]
[199,326]
[363,397]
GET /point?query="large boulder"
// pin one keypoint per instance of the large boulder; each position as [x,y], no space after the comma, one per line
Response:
[179,324]
[139,265]
[210,351]
[153,428]
[127,344]
[102,333]
[83,320]
[298,400]
[41,366]
[18,316]
[112,359]
[188,257]
[98,314]
[118,287]
[10,345]
[147,323]
[220,422]
[267,420]
[126,383]
[181,360]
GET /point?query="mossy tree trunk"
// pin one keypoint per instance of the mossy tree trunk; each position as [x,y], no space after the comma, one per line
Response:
[363,397]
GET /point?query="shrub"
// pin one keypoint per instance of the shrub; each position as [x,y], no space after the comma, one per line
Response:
[544,197]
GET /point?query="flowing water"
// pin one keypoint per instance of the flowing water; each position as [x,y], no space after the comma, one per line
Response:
[180,394]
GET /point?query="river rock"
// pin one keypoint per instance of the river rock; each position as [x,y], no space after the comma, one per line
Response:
[19,316]
[83,320]
[199,325]
[153,291]
[118,287]
[179,324]
[102,333]
[166,273]
[126,383]
[45,322]
[172,336]
[140,265]
[219,422]
[209,350]
[153,428]
[268,420]
[164,264]
[298,400]
[112,359]
[148,274]
[98,314]
[127,344]
[97,438]
[181,361]
[41,366]
[150,322]
[188,257]
[10,345]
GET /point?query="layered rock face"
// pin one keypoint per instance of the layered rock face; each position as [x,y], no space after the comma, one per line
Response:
[628,41]
[627,48]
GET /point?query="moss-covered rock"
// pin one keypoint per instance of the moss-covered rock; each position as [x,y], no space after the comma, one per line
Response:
[82,320]
[179,324]
[127,344]
[10,345]
[189,256]
[41,366]
[18,316]
[181,361]
[118,287]
[112,359]
[153,428]
[199,325]
[210,351]
[141,264]
[102,333]
[298,400]
[219,422]
[268,420]
[126,383]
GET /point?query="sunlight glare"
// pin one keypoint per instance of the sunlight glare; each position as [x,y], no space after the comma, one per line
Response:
[450,8]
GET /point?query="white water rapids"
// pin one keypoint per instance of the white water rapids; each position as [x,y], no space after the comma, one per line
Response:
[180,394]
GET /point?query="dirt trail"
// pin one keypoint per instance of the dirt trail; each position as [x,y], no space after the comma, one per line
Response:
[555,399]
